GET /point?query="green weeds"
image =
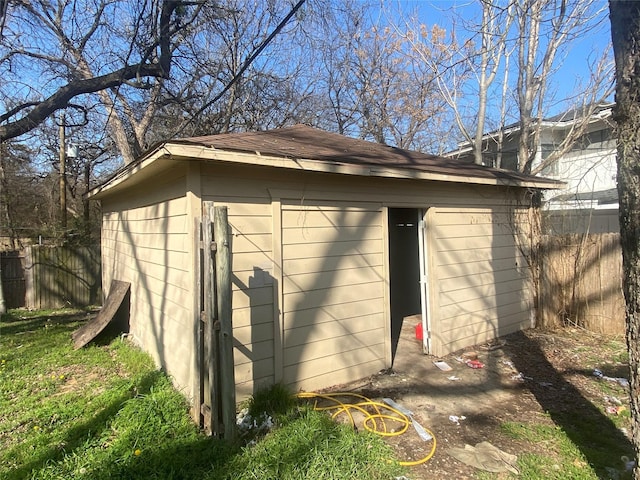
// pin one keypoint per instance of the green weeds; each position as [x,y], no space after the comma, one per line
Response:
[582,449]
[105,412]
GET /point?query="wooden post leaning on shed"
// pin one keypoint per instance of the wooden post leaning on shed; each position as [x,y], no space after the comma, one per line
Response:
[223,295]
[211,407]
[198,332]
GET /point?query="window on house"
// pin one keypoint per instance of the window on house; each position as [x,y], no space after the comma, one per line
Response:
[593,140]
[550,169]
[509,160]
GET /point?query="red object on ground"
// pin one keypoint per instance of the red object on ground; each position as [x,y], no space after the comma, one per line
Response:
[474,364]
[419,331]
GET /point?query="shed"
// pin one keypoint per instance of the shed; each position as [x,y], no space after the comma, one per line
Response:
[334,241]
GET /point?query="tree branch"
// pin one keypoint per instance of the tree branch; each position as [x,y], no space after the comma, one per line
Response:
[158,67]
[63,95]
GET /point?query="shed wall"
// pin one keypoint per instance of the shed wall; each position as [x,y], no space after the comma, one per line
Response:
[483,278]
[310,268]
[333,293]
[310,260]
[254,287]
[145,241]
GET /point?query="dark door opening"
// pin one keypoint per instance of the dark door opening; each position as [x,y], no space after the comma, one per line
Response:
[404,269]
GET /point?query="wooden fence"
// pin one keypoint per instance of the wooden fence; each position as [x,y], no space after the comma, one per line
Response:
[581,282]
[41,277]
[13,280]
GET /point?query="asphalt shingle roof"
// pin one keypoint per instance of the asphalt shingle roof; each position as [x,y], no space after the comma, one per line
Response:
[304,142]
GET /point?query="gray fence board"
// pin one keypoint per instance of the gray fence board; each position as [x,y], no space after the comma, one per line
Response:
[42,277]
[13,279]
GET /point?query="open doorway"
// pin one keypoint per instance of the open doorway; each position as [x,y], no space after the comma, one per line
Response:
[404,269]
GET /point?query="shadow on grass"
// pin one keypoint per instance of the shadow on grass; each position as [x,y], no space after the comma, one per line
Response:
[204,458]
[76,436]
[591,431]
[17,322]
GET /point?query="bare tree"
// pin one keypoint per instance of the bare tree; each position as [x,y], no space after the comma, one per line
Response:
[396,98]
[120,69]
[477,59]
[507,63]
[69,50]
[625,33]
[144,63]
[219,86]
[372,85]
[544,28]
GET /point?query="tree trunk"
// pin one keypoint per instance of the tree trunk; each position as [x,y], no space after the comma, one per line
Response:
[625,33]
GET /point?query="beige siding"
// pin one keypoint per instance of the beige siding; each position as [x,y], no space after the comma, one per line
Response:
[310,262]
[310,304]
[333,293]
[145,241]
[253,284]
[483,282]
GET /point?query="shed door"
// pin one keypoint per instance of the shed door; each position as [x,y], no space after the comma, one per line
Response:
[405,270]
[423,262]
[333,293]
[483,287]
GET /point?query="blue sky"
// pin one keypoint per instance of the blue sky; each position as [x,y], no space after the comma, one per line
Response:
[573,65]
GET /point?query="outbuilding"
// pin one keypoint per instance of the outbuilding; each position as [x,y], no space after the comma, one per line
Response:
[334,241]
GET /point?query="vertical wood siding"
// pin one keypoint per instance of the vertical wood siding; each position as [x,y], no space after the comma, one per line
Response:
[59,277]
[44,277]
[582,282]
[12,267]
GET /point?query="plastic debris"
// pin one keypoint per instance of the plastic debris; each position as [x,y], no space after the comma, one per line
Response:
[453,378]
[246,423]
[442,365]
[520,377]
[615,410]
[422,433]
[612,399]
[509,363]
[243,419]
[474,364]
[545,384]
[398,407]
[495,345]
[623,382]
[618,474]
[456,419]
[486,457]
[628,464]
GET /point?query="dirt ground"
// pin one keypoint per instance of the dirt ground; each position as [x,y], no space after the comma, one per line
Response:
[527,377]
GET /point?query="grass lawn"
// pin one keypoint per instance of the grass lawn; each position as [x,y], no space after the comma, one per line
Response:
[105,411]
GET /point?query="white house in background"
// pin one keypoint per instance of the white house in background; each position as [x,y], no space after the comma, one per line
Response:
[590,201]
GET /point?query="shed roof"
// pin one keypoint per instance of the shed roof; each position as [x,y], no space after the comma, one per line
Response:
[305,148]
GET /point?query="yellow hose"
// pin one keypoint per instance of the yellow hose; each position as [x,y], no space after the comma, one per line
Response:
[373,422]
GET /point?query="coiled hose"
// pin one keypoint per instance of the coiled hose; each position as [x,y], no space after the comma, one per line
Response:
[376,422]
